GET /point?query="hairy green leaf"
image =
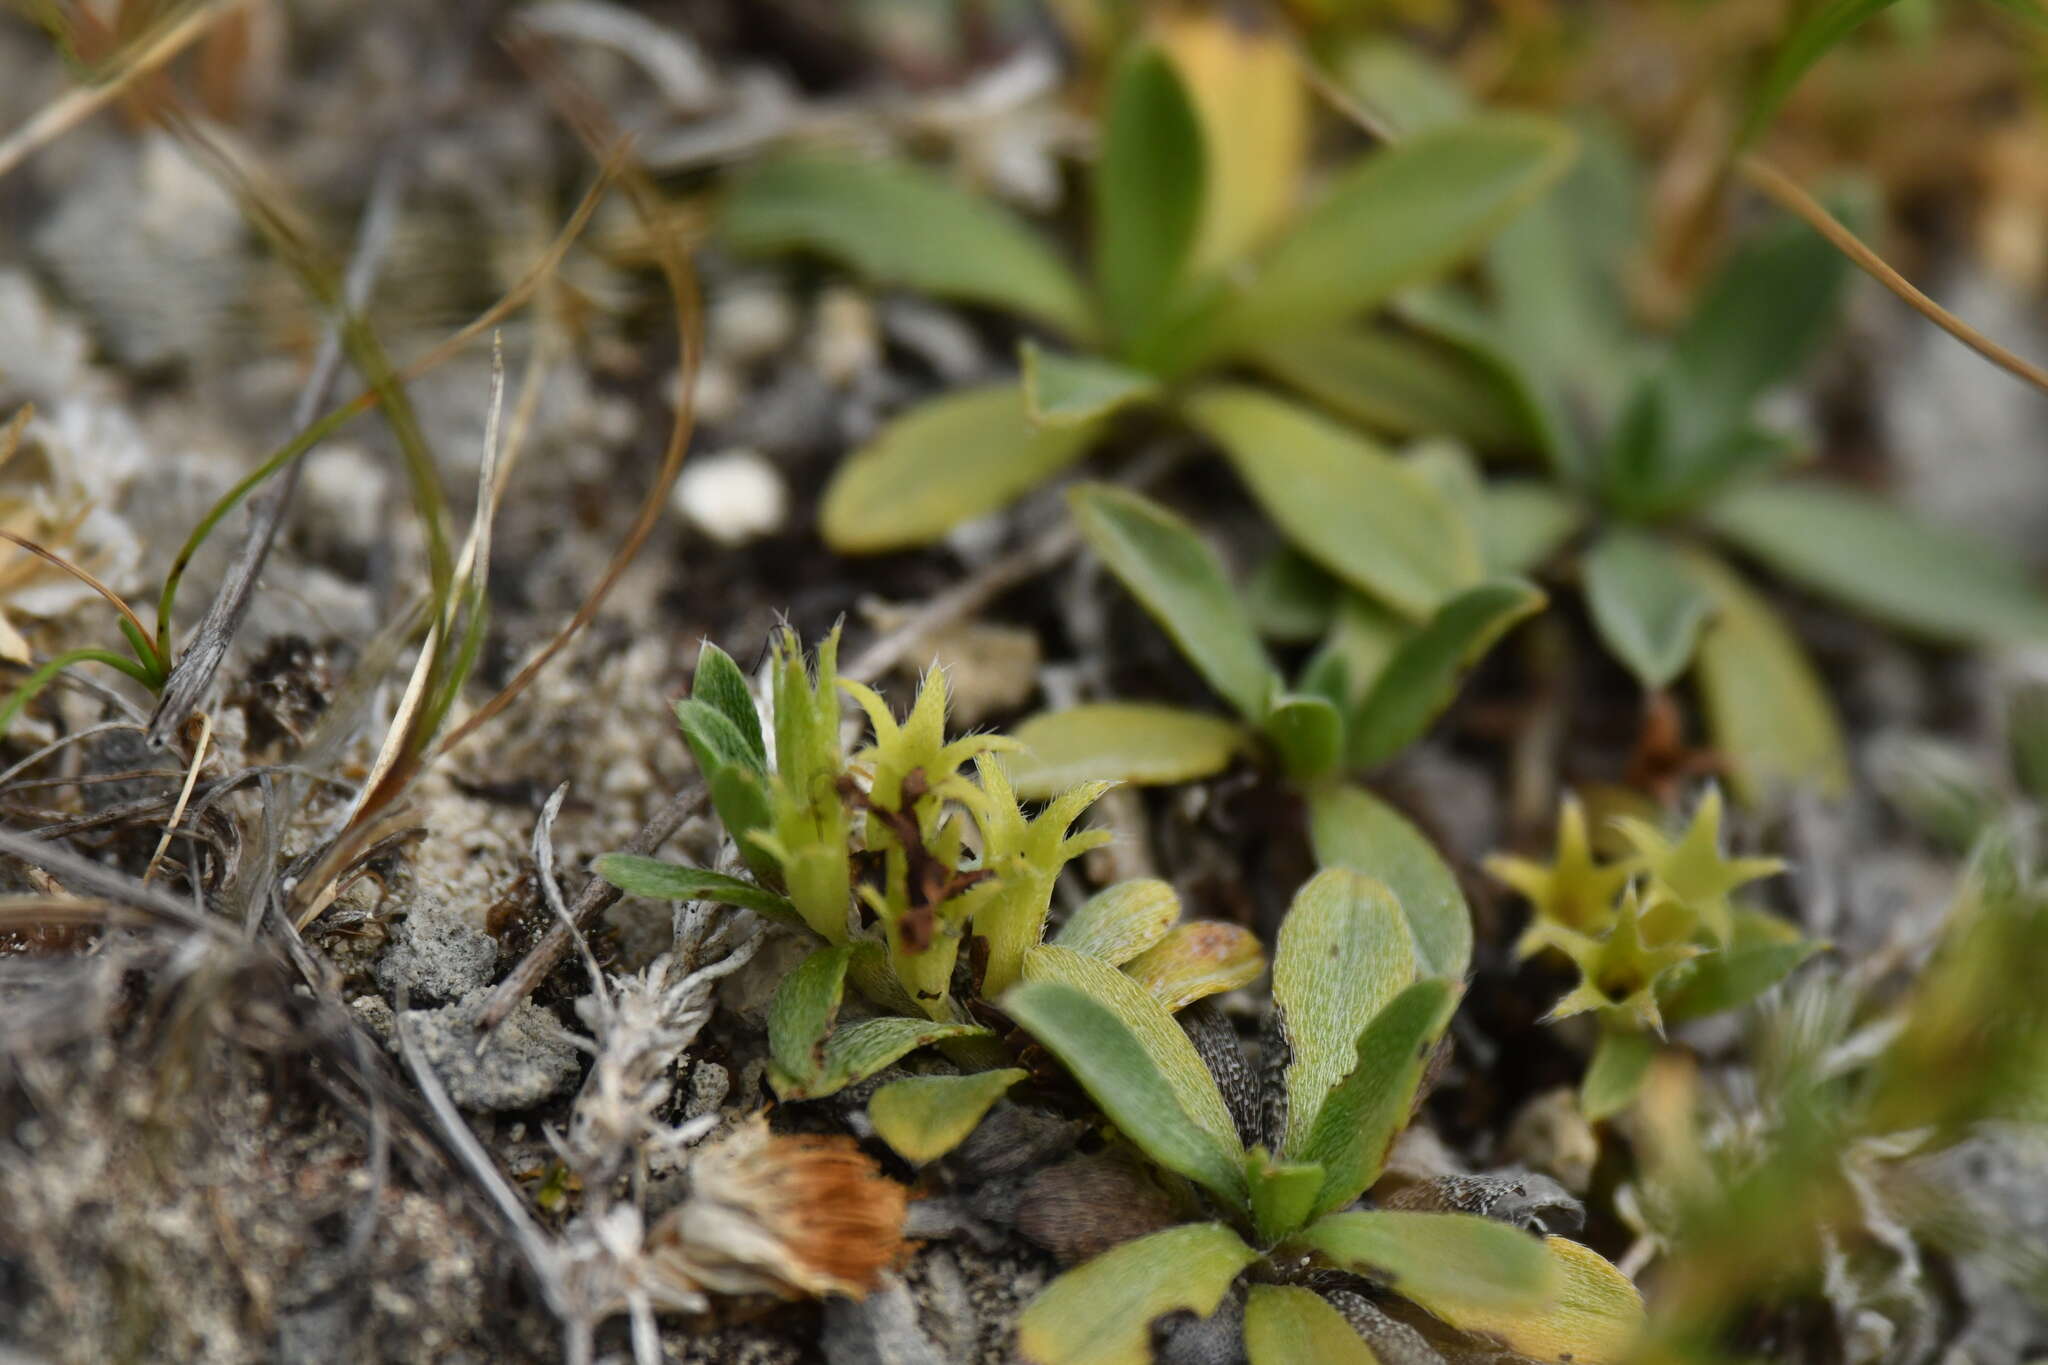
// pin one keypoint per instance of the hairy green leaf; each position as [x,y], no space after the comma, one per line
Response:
[1121,921]
[720,684]
[1196,960]
[1593,1315]
[1870,556]
[857,1051]
[944,462]
[1171,1055]
[1423,676]
[1283,1193]
[1116,1070]
[1344,952]
[1456,1265]
[1285,1325]
[925,1117]
[900,225]
[1102,1313]
[1370,1106]
[1350,827]
[657,880]
[802,1012]
[1179,580]
[1344,501]
[1138,742]
[1646,606]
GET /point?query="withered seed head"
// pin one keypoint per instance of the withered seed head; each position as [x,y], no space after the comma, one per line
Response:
[788,1216]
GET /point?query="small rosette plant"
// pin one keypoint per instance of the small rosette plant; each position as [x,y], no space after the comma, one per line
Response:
[1358,1018]
[896,857]
[1658,937]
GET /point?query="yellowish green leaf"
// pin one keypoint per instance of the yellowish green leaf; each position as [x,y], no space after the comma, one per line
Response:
[925,1117]
[1766,707]
[1646,606]
[1350,827]
[1457,1265]
[1423,676]
[1061,390]
[1344,952]
[944,462]
[1285,1325]
[1202,958]
[1341,499]
[1593,1317]
[1121,921]
[1149,183]
[1369,1107]
[1102,1313]
[1136,742]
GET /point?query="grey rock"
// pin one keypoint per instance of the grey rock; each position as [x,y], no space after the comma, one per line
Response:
[529,1059]
[437,955]
[881,1329]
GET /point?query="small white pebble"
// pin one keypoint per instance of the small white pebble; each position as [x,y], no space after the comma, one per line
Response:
[718,392]
[750,323]
[734,496]
[847,341]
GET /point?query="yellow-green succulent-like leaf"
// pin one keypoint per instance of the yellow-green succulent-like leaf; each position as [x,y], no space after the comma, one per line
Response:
[1203,958]
[1286,1325]
[1121,921]
[1367,1110]
[1422,677]
[1458,1266]
[1350,827]
[1594,1316]
[1138,742]
[925,1117]
[1648,609]
[1120,1071]
[1767,708]
[1062,390]
[720,683]
[1867,554]
[1622,974]
[944,462]
[1163,1042]
[1026,856]
[1342,499]
[1179,580]
[1344,952]
[898,224]
[1102,1313]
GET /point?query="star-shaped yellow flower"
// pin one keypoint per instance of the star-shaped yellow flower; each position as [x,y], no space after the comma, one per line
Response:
[1621,972]
[1692,869]
[1572,894]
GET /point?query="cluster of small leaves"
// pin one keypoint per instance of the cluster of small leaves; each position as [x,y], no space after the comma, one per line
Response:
[1755,1190]
[1361,1015]
[897,857]
[1659,937]
[1655,446]
[1200,261]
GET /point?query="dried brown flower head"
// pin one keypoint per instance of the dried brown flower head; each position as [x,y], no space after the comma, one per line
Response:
[788,1216]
